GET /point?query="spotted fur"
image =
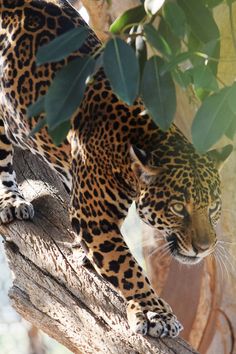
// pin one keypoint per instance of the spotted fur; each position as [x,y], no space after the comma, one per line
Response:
[114,154]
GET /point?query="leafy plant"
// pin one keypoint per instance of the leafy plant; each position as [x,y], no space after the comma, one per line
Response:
[185,52]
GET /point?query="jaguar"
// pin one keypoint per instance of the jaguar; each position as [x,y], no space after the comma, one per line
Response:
[113,155]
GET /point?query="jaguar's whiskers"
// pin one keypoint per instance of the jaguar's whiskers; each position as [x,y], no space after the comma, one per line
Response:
[225,258]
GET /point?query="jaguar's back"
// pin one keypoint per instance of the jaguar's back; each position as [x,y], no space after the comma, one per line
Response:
[114,154]
[25,26]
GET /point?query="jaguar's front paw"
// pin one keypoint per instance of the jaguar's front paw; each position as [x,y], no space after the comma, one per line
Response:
[17,208]
[163,324]
[156,321]
[80,255]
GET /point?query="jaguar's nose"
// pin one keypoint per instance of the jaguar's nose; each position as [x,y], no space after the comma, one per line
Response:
[200,246]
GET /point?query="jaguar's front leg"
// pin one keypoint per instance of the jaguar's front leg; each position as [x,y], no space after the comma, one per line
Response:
[103,243]
[12,203]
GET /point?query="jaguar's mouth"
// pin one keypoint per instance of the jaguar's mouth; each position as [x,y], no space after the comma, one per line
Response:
[176,253]
[185,259]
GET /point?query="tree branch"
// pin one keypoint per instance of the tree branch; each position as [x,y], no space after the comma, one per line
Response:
[70,303]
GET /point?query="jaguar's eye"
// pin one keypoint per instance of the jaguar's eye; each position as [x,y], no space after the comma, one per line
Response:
[214,208]
[178,209]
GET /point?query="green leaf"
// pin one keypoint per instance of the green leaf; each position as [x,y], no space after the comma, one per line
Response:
[175,61]
[200,19]
[36,108]
[209,51]
[203,78]
[170,37]
[59,134]
[182,78]
[201,94]
[158,93]
[230,132]
[152,6]
[232,98]
[129,17]
[213,3]
[212,49]
[194,45]
[122,69]
[175,17]
[156,41]
[212,120]
[39,125]
[66,92]
[98,63]
[60,47]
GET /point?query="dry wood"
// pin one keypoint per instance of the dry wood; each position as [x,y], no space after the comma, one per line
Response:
[69,302]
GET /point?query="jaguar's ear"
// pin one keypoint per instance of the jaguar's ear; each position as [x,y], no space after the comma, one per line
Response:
[140,166]
[220,156]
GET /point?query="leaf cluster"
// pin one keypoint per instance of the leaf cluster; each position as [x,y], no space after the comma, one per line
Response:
[184,41]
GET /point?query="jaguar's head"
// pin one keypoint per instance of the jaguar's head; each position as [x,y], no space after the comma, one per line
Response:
[179,194]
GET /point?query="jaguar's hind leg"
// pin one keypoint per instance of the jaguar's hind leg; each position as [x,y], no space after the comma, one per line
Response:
[12,203]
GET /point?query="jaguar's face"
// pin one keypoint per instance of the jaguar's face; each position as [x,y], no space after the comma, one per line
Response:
[183,203]
[187,226]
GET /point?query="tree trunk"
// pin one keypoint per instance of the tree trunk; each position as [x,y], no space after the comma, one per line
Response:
[51,290]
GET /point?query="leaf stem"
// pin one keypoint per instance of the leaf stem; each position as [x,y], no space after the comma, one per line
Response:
[222,59]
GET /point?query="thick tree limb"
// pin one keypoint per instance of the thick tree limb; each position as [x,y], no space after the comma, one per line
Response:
[70,303]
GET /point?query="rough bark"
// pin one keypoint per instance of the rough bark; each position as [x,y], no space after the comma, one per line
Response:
[69,302]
